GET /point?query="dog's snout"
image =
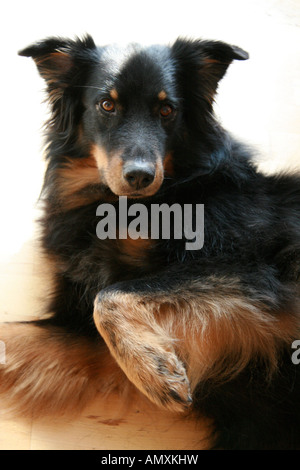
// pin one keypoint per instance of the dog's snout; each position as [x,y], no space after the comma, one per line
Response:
[139,174]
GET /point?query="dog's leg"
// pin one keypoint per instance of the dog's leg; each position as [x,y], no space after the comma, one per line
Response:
[143,349]
[49,371]
[167,339]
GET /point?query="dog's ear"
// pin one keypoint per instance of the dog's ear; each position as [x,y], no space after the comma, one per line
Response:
[57,59]
[205,62]
[64,64]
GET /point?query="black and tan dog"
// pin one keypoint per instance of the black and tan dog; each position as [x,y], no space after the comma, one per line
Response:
[208,331]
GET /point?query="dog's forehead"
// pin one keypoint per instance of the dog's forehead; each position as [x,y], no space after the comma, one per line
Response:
[115,56]
[138,60]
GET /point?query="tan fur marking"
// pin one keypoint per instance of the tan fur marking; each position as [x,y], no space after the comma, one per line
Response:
[162,95]
[220,347]
[114,94]
[54,66]
[135,252]
[77,174]
[209,61]
[209,70]
[220,333]
[135,247]
[114,175]
[111,167]
[48,371]
[168,164]
[72,178]
[100,157]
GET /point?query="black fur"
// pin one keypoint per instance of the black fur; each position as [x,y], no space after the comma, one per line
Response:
[252,221]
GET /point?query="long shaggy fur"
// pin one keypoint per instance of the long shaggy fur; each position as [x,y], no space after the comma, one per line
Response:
[205,332]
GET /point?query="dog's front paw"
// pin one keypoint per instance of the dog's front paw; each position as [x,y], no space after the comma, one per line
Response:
[163,379]
[143,350]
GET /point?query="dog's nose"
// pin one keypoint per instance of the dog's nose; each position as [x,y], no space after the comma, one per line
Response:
[139,175]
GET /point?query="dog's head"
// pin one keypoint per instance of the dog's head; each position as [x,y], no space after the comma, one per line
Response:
[126,107]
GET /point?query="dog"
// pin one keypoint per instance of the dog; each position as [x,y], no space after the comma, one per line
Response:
[203,332]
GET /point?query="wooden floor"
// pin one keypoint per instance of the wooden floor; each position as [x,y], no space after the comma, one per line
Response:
[105,425]
[261,103]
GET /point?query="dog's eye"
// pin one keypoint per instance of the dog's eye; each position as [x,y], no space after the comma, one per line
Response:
[166,110]
[107,105]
